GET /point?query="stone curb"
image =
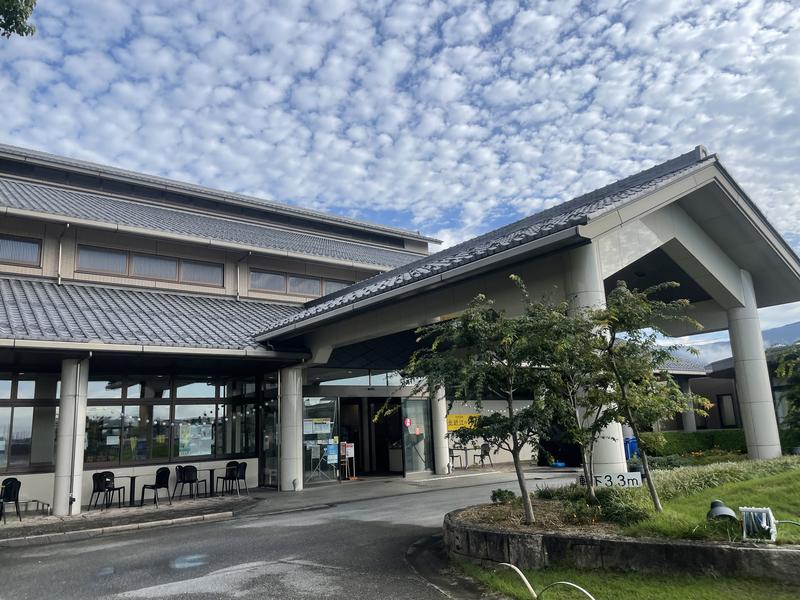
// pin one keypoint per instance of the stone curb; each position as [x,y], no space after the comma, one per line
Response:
[538,550]
[82,534]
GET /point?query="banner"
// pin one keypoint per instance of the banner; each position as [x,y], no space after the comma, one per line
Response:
[459,421]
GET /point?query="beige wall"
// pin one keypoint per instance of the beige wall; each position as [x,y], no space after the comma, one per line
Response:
[49,234]
[489,407]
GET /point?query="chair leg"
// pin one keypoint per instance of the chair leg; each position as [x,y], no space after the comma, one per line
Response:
[19,515]
[181,494]
[168,498]
[155,497]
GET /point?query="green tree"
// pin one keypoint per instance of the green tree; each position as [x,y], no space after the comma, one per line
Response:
[789,368]
[627,333]
[14,15]
[483,353]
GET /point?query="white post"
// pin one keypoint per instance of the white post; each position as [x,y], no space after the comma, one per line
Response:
[71,436]
[752,376]
[291,411]
[585,289]
[441,449]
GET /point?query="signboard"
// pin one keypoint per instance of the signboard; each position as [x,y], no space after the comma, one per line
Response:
[614,479]
[351,450]
[460,421]
[407,422]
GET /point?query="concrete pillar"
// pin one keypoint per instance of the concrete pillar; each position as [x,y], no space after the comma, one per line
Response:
[689,421]
[291,410]
[584,289]
[441,448]
[752,376]
[71,437]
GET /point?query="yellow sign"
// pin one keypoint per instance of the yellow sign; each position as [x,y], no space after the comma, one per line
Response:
[460,421]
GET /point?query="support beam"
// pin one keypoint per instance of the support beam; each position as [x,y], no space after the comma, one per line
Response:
[291,411]
[441,449]
[752,376]
[584,289]
[71,436]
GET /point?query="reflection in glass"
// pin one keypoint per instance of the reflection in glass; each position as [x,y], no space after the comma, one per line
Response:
[416,435]
[147,387]
[320,439]
[195,389]
[26,389]
[5,387]
[194,429]
[159,431]
[19,453]
[103,432]
[103,389]
[5,434]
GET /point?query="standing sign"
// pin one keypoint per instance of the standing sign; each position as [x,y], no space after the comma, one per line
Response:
[615,479]
[350,450]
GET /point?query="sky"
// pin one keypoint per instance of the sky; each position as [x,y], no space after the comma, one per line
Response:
[450,118]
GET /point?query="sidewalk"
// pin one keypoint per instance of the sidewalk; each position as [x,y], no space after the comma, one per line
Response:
[40,529]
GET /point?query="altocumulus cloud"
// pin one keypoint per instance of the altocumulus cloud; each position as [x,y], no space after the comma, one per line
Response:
[446,117]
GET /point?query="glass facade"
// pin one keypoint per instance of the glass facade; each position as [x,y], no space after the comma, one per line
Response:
[28,421]
[417,450]
[320,439]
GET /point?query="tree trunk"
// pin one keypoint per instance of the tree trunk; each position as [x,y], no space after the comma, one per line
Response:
[523,487]
[651,486]
[589,475]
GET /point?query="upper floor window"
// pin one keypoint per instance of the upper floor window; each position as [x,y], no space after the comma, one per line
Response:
[149,266]
[20,251]
[301,285]
[102,260]
[335,286]
[270,282]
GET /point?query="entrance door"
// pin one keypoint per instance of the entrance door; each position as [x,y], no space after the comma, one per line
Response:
[268,450]
[386,450]
[417,435]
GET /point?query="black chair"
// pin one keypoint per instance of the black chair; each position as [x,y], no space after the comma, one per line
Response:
[98,488]
[190,477]
[11,487]
[241,475]
[229,479]
[161,483]
[454,456]
[112,489]
[485,448]
[178,479]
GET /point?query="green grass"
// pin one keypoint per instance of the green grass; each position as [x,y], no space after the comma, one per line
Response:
[685,516]
[629,586]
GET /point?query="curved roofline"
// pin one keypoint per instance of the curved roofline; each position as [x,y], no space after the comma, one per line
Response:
[154,181]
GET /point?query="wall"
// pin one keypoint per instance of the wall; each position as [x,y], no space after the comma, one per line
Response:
[490,407]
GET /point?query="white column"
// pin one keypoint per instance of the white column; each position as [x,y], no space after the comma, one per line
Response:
[689,421]
[753,385]
[441,449]
[71,436]
[291,411]
[585,289]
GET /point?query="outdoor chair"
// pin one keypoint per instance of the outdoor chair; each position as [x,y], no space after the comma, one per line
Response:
[241,475]
[178,479]
[161,483]
[455,457]
[98,488]
[229,479]
[112,489]
[190,478]
[10,494]
[485,448]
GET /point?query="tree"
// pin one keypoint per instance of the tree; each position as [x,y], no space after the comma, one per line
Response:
[627,333]
[789,368]
[576,377]
[14,15]
[483,353]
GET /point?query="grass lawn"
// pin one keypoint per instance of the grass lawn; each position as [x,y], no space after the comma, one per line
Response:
[629,586]
[685,516]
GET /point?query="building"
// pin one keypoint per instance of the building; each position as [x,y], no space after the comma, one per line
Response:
[147,322]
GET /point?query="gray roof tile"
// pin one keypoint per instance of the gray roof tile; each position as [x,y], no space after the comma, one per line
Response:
[97,207]
[569,214]
[42,310]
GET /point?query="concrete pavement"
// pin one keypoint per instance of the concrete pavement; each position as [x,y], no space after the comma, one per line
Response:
[353,544]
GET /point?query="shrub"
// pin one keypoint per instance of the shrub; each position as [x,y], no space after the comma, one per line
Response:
[790,439]
[665,443]
[501,496]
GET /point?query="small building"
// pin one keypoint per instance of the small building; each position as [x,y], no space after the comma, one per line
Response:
[147,322]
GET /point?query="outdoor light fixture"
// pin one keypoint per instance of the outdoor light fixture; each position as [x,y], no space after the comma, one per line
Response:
[718,510]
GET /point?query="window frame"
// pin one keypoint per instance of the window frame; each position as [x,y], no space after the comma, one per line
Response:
[267,272]
[79,269]
[344,283]
[181,278]
[20,238]
[132,254]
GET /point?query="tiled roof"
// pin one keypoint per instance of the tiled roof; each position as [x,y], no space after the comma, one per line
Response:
[42,310]
[685,364]
[558,218]
[97,207]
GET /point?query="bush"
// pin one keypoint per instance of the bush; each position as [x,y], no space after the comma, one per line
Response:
[790,439]
[665,443]
[501,496]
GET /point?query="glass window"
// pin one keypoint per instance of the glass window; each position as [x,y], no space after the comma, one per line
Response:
[196,389]
[5,434]
[19,251]
[102,260]
[159,431]
[416,437]
[335,286]
[19,453]
[271,282]
[324,376]
[235,429]
[43,435]
[238,389]
[202,272]
[26,389]
[727,414]
[104,389]
[194,429]
[154,267]
[103,431]
[320,440]
[308,286]
[135,428]
[5,387]
[148,387]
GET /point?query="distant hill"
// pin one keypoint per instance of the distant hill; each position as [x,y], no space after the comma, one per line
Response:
[778,336]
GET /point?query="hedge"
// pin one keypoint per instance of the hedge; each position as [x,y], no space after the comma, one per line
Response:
[730,440]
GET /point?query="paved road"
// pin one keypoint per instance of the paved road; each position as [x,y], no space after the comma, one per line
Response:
[355,550]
